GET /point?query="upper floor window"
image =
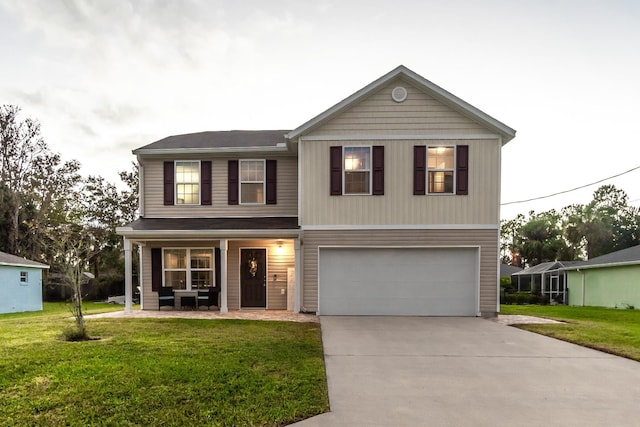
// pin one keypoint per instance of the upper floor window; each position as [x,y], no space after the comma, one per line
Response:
[442,169]
[440,165]
[252,181]
[187,183]
[357,170]
[24,276]
[188,269]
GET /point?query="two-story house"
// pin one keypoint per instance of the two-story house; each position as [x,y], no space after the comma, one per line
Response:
[385,204]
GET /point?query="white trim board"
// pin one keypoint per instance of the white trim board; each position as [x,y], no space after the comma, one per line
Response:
[402,227]
[378,137]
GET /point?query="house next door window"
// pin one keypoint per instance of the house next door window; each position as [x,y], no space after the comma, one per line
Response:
[253,278]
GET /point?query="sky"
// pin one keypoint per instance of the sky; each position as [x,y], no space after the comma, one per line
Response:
[105,77]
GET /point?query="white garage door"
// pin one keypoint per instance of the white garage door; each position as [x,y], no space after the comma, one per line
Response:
[398,281]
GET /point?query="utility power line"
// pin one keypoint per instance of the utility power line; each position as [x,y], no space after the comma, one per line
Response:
[569,191]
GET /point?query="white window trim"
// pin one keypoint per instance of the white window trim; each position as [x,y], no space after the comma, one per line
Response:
[455,160]
[370,170]
[175,182]
[264,181]
[24,277]
[188,268]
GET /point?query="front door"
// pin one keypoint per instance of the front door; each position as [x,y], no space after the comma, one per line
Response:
[253,278]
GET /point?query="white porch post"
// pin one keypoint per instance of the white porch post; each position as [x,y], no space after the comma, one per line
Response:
[128,276]
[140,278]
[223,276]
[298,274]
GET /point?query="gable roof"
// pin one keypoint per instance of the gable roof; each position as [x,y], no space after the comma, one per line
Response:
[543,267]
[628,256]
[16,261]
[216,141]
[430,88]
[507,270]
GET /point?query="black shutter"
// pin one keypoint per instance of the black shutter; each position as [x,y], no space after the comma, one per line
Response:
[216,255]
[419,170]
[378,170]
[462,169]
[156,269]
[271,175]
[234,188]
[168,183]
[205,187]
[335,160]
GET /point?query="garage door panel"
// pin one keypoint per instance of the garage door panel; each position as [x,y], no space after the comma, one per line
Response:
[398,281]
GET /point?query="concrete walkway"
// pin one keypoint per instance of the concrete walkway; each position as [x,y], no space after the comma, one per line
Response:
[274,315]
[420,371]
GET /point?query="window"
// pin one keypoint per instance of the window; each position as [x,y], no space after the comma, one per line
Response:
[187,183]
[441,170]
[24,276]
[252,181]
[357,170]
[188,269]
[440,167]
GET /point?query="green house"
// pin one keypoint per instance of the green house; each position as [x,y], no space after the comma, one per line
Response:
[611,280]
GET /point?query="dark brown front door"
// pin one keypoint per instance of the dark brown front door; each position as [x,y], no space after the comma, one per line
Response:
[253,278]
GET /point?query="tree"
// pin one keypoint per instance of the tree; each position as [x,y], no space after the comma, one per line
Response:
[20,146]
[604,225]
[75,248]
[541,239]
[509,234]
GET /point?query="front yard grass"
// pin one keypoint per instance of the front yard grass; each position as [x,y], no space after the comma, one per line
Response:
[614,331]
[159,372]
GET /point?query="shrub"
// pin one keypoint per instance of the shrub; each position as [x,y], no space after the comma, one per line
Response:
[523,298]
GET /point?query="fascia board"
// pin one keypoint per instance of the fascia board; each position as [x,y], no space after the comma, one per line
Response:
[11,264]
[611,264]
[205,234]
[210,150]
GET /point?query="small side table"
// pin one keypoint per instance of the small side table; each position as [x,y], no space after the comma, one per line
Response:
[188,301]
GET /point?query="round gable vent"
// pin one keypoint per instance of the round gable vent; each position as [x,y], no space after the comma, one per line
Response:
[399,94]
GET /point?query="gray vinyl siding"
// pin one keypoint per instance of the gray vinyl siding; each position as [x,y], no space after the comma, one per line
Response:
[287,191]
[398,205]
[418,114]
[487,240]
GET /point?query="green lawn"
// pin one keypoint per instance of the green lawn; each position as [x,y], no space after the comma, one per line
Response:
[158,372]
[611,330]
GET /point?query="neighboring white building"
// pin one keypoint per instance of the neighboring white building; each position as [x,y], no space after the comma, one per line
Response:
[20,284]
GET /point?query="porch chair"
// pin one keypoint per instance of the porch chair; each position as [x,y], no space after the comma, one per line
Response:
[208,297]
[166,297]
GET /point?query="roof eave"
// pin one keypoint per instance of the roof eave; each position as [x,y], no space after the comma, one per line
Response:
[130,233]
[280,148]
[11,264]
[605,265]
[444,96]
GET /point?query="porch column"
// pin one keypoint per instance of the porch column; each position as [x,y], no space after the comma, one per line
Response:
[140,278]
[223,276]
[298,275]
[128,276]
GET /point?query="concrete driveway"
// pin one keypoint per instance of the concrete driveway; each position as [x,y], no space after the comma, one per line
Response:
[420,371]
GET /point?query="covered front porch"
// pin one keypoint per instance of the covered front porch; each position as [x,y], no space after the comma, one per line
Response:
[247,268]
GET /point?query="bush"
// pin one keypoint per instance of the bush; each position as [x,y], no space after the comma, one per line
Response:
[523,298]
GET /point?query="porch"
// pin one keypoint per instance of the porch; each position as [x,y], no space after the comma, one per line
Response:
[252,263]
